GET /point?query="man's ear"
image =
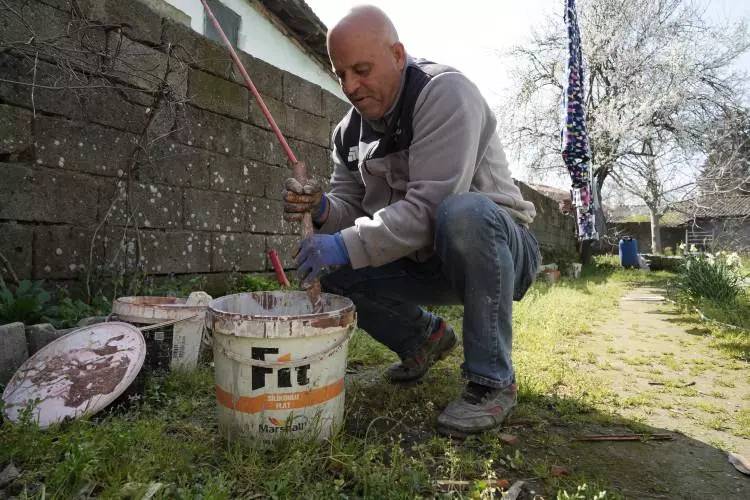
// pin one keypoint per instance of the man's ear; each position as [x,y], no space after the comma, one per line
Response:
[399,54]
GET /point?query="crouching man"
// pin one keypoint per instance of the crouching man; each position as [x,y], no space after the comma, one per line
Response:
[421,210]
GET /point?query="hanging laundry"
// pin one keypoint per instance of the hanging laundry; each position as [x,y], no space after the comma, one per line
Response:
[576,152]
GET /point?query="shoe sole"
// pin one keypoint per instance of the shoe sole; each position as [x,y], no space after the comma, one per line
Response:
[440,357]
[450,432]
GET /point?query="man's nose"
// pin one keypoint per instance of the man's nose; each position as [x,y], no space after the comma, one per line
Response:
[350,84]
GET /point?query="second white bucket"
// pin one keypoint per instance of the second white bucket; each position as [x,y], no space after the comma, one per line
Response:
[173,345]
[279,366]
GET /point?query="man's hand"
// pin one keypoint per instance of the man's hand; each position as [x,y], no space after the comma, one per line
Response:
[320,254]
[299,199]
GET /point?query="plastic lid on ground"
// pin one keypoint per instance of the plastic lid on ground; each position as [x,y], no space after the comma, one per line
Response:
[78,374]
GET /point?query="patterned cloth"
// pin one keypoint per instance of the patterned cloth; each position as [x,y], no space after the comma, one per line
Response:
[575,140]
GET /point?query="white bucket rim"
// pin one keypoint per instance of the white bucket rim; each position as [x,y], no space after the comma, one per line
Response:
[153,309]
[346,306]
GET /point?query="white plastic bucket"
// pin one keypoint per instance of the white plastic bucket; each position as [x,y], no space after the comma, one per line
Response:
[176,344]
[279,366]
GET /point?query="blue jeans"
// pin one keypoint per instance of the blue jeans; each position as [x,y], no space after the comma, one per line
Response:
[484,260]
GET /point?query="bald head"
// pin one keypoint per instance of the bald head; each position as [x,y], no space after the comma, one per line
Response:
[365,20]
[368,59]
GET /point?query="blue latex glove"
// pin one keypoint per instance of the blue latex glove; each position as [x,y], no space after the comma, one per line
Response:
[320,254]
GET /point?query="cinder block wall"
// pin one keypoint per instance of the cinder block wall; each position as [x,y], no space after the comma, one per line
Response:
[128,143]
[555,231]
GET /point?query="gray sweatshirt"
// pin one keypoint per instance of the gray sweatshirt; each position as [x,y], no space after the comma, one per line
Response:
[389,178]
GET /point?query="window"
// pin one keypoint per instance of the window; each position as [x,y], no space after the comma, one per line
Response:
[228,19]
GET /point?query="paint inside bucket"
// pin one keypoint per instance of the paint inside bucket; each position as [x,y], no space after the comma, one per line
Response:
[279,365]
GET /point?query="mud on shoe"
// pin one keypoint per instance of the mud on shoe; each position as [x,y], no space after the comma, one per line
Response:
[437,346]
[480,408]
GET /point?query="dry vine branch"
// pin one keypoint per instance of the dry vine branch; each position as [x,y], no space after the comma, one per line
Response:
[77,59]
[11,273]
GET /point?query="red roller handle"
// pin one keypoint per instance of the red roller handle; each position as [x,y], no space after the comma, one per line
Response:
[300,171]
[278,268]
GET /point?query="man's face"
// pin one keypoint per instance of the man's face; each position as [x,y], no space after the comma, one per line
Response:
[369,72]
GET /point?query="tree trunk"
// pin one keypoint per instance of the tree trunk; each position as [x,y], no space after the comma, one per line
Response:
[587,248]
[655,232]
[586,251]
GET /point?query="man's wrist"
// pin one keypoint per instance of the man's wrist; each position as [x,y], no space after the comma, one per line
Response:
[323,211]
[343,252]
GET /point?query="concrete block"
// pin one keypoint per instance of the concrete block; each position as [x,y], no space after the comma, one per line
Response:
[63,251]
[267,216]
[317,159]
[84,147]
[16,244]
[308,127]
[165,10]
[196,50]
[158,252]
[239,176]
[23,19]
[13,350]
[15,131]
[266,77]
[274,181]
[38,336]
[72,94]
[163,120]
[259,144]
[170,162]
[137,20]
[63,101]
[210,56]
[216,94]
[147,205]
[238,252]
[143,66]
[125,109]
[203,129]
[214,211]
[334,108]
[176,252]
[302,94]
[278,111]
[46,195]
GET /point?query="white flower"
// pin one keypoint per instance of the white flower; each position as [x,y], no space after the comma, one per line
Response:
[733,260]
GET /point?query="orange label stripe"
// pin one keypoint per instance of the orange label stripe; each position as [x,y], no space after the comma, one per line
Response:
[279,401]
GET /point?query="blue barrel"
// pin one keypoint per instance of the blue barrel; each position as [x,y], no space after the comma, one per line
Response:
[629,252]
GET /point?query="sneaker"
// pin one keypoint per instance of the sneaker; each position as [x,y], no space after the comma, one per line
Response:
[437,346]
[480,408]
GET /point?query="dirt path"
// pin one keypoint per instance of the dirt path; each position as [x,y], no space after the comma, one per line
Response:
[667,376]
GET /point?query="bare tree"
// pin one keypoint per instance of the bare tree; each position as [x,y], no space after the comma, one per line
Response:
[658,76]
[659,179]
[727,168]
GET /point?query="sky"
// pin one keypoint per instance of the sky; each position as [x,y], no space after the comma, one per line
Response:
[473,35]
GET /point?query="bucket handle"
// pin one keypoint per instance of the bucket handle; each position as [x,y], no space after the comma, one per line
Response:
[286,364]
[166,323]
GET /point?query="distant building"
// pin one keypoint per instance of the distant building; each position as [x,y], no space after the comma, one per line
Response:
[707,222]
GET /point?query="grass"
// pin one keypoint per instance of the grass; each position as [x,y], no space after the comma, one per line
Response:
[388,448]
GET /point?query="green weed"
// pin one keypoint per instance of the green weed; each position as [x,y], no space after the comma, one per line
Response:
[28,302]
